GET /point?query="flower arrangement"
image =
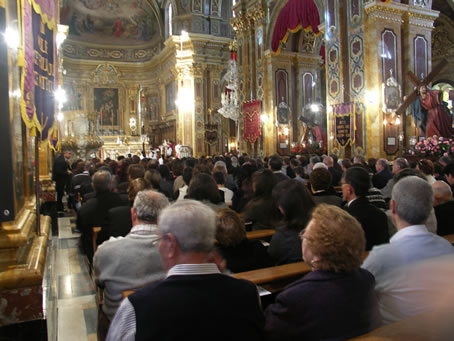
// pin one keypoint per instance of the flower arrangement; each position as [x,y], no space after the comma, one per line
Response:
[309,148]
[433,146]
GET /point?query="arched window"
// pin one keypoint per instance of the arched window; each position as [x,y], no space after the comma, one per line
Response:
[233,4]
[169,17]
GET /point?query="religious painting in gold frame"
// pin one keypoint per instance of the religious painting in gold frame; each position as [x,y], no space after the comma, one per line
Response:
[106,104]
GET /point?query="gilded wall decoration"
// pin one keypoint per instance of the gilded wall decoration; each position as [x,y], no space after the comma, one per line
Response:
[126,54]
[356,51]
[357,63]
[307,41]
[442,41]
[334,80]
[105,74]
[197,6]
[216,7]
[355,13]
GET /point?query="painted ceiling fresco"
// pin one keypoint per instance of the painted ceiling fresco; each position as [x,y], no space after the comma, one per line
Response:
[111,22]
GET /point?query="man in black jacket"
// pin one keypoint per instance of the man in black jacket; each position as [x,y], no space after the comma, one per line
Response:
[195,301]
[383,175]
[61,174]
[355,187]
[94,212]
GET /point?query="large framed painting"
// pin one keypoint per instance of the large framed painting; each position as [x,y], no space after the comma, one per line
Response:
[106,105]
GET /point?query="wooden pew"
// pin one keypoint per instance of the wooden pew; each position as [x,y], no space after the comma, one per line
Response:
[275,278]
[94,235]
[428,326]
[260,234]
[449,238]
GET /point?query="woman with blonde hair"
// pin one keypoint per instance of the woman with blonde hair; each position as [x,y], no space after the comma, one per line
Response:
[336,300]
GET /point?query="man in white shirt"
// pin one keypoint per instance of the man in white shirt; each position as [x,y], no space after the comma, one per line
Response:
[400,298]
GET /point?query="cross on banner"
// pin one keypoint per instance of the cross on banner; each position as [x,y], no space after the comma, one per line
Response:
[418,83]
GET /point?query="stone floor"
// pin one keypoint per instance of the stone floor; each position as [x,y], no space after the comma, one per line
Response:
[73,300]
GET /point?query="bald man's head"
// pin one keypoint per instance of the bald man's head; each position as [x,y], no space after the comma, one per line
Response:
[442,192]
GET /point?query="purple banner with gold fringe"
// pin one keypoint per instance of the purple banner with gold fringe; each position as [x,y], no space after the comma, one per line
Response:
[344,123]
[39,78]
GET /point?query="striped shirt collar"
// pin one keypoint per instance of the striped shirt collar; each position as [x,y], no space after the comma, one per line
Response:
[144,229]
[193,269]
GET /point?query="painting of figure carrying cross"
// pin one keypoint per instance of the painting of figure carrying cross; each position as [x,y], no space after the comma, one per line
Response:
[431,114]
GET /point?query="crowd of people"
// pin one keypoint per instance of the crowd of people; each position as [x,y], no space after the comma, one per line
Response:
[178,229]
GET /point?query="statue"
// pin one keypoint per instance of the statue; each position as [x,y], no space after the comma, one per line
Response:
[431,115]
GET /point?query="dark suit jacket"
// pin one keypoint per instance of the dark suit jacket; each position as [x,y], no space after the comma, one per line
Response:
[118,224]
[198,307]
[445,218]
[336,176]
[324,305]
[326,197]
[60,169]
[380,180]
[372,220]
[94,213]
[278,176]
[248,255]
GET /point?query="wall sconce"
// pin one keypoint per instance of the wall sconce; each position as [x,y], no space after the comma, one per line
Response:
[62,33]
[391,119]
[315,107]
[372,97]
[60,97]
[12,38]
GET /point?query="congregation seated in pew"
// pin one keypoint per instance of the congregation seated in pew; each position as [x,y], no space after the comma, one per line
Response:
[291,199]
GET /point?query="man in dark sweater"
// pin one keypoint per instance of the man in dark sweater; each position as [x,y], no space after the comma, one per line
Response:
[195,301]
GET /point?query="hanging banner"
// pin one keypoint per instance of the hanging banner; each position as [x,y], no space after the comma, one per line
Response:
[344,123]
[39,77]
[251,116]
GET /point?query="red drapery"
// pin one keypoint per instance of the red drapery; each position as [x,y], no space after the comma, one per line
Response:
[295,15]
[251,114]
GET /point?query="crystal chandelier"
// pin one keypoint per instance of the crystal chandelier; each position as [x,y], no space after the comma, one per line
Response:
[230,97]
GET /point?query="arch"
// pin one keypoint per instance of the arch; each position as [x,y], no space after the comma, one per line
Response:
[275,14]
[157,13]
